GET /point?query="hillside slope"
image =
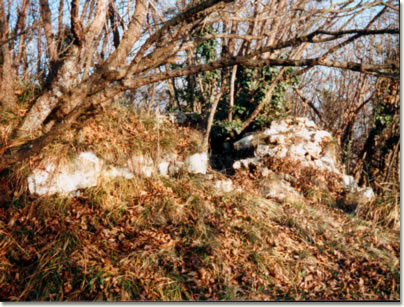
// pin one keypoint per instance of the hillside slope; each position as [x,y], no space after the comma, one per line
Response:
[180,238]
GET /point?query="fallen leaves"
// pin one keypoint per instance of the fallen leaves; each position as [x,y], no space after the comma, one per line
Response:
[176,239]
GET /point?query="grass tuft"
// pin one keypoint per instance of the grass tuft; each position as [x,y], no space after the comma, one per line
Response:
[174,239]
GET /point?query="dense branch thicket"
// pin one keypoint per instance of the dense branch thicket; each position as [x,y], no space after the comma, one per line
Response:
[68,58]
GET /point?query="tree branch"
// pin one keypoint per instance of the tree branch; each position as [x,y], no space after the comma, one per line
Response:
[246,61]
[47,26]
[75,23]
[310,38]
[310,104]
[189,16]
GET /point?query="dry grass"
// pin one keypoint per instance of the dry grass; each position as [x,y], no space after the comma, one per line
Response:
[115,136]
[119,133]
[384,211]
[178,238]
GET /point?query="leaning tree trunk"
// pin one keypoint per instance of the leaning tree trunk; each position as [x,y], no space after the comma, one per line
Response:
[66,78]
[8,98]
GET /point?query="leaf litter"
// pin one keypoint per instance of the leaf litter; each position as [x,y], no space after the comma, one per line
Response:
[171,239]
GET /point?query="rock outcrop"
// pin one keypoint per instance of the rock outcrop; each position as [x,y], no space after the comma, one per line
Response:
[141,165]
[297,143]
[83,171]
[285,155]
[298,139]
[197,163]
[86,170]
[225,185]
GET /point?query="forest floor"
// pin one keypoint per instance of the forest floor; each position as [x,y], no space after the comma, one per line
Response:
[180,239]
[176,239]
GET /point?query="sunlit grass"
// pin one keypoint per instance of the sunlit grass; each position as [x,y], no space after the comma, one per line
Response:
[178,238]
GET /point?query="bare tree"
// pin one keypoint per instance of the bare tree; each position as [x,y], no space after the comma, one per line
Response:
[91,62]
[12,40]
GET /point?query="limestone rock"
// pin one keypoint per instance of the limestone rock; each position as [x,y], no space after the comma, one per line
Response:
[237,165]
[265,172]
[81,173]
[169,165]
[171,157]
[244,143]
[84,171]
[367,194]
[163,168]
[300,141]
[279,189]
[349,182]
[175,168]
[297,139]
[246,163]
[263,151]
[197,163]
[113,172]
[209,177]
[147,171]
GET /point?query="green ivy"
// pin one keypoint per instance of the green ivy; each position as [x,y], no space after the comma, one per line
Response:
[204,53]
[383,114]
[251,87]
[224,129]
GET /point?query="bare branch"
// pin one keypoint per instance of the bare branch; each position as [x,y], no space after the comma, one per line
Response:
[310,104]
[189,16]
[311,38]
[47,26]
[247,61]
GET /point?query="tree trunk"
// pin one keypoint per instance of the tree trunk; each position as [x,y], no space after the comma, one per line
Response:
[44,105]
[66,73]
[174,104]
[8,99]
[232,84]
[69,94]
[215,103]
[7,73]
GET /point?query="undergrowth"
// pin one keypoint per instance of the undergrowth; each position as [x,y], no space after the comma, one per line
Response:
[179,239]
[115,136]
[172,239]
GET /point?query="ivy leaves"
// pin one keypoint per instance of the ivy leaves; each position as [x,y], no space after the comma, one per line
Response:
[252,87]
[383,114]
